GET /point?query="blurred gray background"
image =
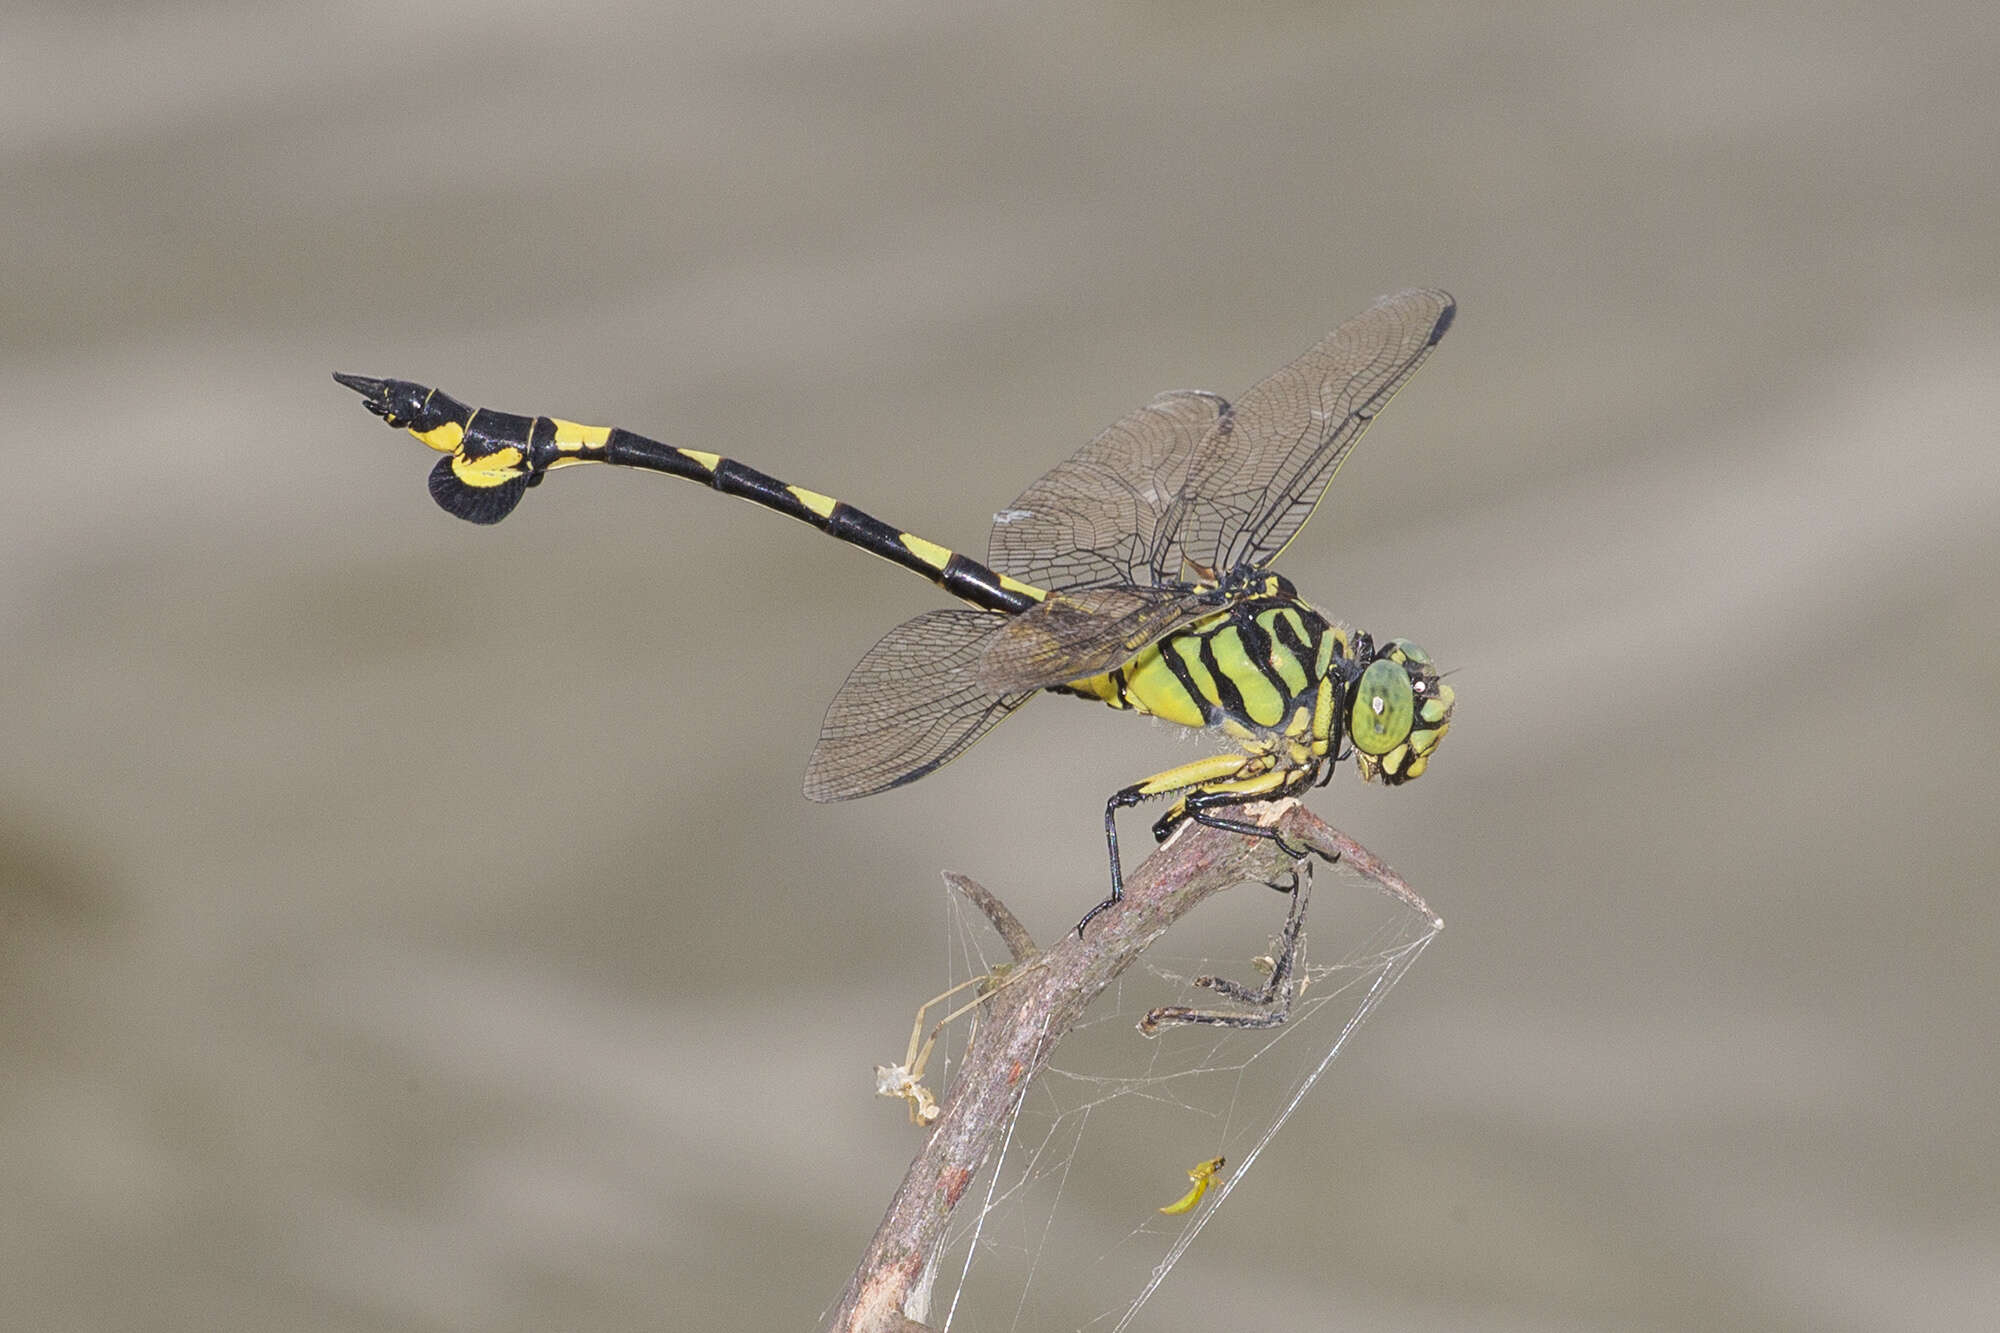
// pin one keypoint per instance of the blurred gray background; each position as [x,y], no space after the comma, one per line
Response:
[405,926]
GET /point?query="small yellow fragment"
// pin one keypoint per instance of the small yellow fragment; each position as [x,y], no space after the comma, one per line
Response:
[1203,1175]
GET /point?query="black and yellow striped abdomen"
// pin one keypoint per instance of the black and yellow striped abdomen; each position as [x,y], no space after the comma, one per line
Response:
[491,458]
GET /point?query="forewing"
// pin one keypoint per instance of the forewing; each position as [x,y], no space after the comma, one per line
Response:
[911,705]
[1084,632]
[1259,474]
[1094,520]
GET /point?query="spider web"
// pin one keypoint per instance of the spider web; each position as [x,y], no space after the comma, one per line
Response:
[1061,1228]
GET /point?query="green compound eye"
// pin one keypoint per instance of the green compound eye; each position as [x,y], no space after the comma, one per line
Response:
[1384,708]
[1402,650]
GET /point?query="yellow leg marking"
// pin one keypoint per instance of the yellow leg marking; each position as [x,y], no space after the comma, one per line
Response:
[937,557]
[445,439]
[813,500]
[1198,773]
[1260,785]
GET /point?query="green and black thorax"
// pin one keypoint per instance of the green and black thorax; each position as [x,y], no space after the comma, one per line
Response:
[1277,676]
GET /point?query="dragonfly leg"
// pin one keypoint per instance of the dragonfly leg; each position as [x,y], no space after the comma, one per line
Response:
[1199,773]
[1201,805]
[1187,808]
[1271,1003]
[1120,799]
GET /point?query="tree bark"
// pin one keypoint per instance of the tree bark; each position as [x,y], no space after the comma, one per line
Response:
[1024,1020]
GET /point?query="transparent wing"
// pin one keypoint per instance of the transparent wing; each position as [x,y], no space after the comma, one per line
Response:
[1189,481]
[911,705]
[1259,474]
[1094,520]
[1083,632]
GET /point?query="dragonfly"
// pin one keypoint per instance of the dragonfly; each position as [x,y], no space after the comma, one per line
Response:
[1137,573]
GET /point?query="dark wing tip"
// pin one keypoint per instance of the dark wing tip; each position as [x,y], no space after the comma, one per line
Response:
[825,789]
[1444,320]
[474,504]
[1446,303]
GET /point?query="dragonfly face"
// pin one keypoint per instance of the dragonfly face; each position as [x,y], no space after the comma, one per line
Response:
[1398,713]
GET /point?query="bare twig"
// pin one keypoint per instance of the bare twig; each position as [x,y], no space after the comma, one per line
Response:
[1026,1019]
[1019,942]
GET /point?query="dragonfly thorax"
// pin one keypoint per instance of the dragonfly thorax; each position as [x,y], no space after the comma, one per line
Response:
[1266,667]
[1284,681]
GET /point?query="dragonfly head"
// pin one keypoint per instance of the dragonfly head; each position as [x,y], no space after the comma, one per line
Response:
[1398,712]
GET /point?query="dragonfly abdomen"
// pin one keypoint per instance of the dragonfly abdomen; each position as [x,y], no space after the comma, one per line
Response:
[491,458]
[955,572]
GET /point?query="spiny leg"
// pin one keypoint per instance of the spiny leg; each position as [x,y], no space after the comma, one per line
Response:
[1216,768]
[1272,1001]
[1201,805]
[1199,808]
[1164,826]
